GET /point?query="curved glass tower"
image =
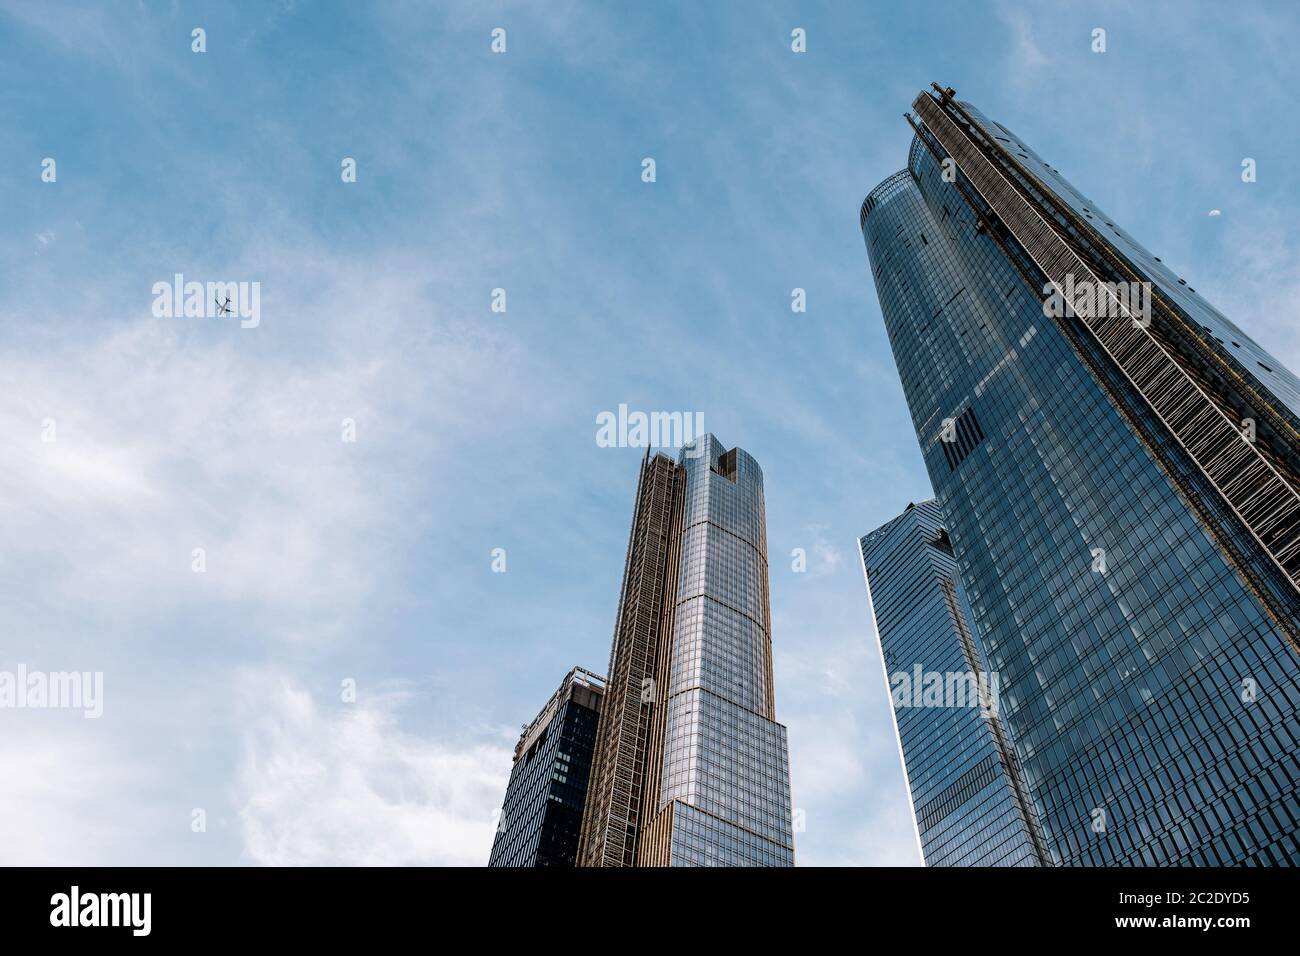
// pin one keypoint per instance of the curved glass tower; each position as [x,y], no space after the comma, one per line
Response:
[1121,487]
[724,797]
[692,767]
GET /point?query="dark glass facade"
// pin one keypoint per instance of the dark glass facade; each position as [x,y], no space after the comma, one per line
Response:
[969,801]
[693,769]
[1130,573]
[541,817]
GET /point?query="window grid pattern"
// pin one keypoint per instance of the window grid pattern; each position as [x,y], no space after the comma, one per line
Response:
[725,763]
[1123,689]
[699,839]
[967,811]
[966,435]
[541,816]
[1206,429]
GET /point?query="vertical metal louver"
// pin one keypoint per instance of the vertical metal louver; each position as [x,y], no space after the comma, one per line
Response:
[966,434]
[613,815]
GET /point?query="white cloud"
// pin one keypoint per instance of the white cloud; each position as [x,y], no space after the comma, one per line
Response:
[60,784]
[844,768]
[1026,54]
[884,836]
[346,785]
[171,435]
[158,450]
[824,557]
[1257,283]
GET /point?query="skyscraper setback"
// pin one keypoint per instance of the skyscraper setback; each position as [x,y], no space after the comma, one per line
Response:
[690,767]
[1120,480]
[970,804]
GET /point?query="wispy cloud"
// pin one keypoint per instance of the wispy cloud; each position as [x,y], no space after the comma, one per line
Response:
[58,778]
[344,784]
[1259,273]
[1026,55]
[475,430]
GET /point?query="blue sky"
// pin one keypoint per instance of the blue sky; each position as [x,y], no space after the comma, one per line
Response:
[371,560]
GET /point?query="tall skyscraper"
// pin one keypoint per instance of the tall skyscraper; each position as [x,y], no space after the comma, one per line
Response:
[691,767]
[541,817]
[1118,466]
[969,801]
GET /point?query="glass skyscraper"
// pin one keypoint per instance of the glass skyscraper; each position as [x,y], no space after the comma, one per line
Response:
[541,817]
[969,802]
[691,767]
[1119,481]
